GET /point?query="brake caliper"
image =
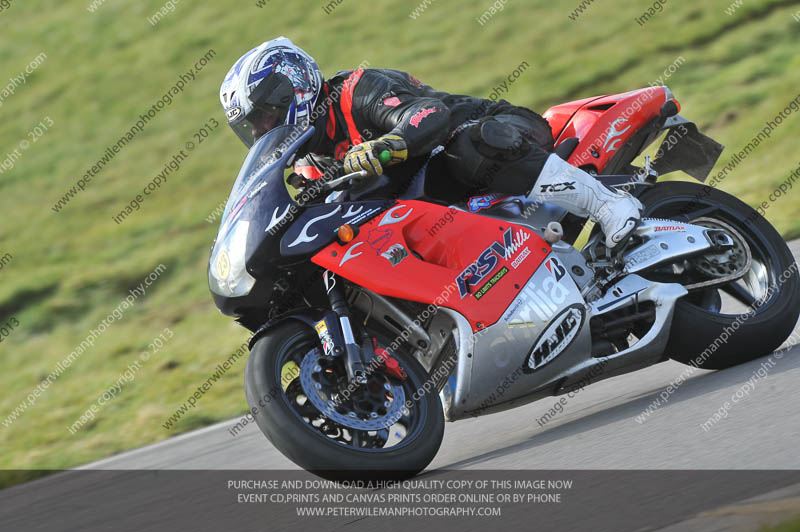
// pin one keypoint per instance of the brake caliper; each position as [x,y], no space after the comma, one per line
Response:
[389,365]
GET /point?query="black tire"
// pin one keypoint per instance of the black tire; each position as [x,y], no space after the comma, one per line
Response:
[314,451]
[695,328]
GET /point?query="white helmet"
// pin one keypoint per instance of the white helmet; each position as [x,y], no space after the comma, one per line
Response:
[276,82]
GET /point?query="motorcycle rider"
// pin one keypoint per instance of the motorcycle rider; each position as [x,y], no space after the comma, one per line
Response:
[357,114]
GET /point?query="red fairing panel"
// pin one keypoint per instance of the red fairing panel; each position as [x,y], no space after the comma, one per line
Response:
[433,254]
[605,124]
[559,115]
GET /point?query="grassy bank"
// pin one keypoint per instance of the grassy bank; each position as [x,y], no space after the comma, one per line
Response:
[70,270]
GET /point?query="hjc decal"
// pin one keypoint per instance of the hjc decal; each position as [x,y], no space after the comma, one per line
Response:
[233,113]
[558,336]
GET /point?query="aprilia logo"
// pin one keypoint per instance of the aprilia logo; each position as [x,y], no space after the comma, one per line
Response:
[558,187]
[542,301]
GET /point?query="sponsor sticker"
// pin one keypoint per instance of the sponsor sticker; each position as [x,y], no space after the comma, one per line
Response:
[490,257]
[556,338]
[521,257]
[378,238]
[395,254]
[556,268]
[325,337]
[392,101]
[513,309]
[477,203]
[491,282]
[678,228]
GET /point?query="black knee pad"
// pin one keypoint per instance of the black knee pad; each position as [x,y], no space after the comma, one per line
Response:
[494,155]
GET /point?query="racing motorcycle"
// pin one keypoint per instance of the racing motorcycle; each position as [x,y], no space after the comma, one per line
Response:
[377,317]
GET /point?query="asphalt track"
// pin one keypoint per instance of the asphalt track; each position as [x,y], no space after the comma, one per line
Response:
[597,430]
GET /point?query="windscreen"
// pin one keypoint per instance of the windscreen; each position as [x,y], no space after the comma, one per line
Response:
[258,197]
[271,152]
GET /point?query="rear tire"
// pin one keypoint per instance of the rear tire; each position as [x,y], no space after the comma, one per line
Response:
[697,329]
[312,450]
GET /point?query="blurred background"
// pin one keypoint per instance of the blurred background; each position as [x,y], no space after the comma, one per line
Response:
[78,75]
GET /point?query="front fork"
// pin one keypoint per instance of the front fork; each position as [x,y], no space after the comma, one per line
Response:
[356,359]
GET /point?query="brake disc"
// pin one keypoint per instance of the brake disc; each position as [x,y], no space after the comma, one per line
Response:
[388,398]
[730,265]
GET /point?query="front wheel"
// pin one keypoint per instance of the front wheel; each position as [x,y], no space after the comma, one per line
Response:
[721,326]
[305,405]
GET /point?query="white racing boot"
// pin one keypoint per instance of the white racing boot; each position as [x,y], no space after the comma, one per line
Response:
[576,191]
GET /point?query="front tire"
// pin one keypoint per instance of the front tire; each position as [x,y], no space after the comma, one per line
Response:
[699,325]
[285,422]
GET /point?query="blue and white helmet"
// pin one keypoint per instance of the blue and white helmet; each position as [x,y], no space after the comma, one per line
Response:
[276,77]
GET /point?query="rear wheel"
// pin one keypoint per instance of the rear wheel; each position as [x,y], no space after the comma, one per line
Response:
[719,327]
[306,407]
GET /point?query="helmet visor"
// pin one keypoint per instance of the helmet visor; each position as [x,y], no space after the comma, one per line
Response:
[244,131]
[271,100]
[260,120]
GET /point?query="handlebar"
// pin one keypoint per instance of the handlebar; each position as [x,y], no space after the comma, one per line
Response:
[333,183]
[384,157]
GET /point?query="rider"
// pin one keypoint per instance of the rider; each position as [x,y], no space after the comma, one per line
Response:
[357,114]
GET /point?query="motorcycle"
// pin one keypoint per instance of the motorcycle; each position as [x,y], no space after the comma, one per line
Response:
[377,317]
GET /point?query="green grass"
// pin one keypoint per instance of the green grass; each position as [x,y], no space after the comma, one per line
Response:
[789,526]
[70,270]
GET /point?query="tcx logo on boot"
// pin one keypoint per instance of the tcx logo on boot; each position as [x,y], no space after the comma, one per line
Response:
[558,187]
[489,258]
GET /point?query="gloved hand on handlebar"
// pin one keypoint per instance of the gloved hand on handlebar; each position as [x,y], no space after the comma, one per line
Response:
[367,155]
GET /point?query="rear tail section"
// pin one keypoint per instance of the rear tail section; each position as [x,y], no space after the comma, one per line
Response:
[603,125]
